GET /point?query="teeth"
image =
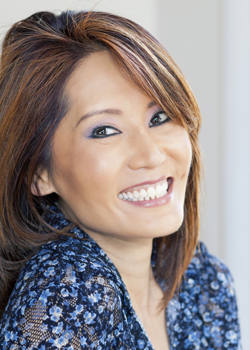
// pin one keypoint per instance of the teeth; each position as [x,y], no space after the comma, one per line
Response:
[151,192]
[165,186]
[130,195]
[136,194]
[158,189]
[145,193]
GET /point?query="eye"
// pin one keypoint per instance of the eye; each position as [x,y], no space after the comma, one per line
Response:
[104,131]
[159,118]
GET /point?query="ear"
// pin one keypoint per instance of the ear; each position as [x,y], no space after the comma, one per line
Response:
[42,184]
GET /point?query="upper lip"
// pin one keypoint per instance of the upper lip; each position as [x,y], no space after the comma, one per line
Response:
[150,182]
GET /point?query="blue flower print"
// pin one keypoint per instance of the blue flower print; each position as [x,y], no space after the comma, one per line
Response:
[58,329]
[44,296]
[56,313]
[232,336]
[69,296]
[141,344]
[89,317]
[94,298]
[50,272]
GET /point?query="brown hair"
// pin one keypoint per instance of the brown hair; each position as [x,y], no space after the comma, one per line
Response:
[38,56]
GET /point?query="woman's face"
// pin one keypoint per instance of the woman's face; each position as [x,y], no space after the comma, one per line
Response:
[113,144]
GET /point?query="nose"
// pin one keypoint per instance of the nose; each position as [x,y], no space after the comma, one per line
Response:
[145,152]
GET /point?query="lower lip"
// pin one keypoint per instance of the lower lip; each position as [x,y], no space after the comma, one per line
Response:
[154,202]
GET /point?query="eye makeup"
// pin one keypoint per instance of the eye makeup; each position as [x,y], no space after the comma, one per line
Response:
[107,129]
[159,118]
[104,131]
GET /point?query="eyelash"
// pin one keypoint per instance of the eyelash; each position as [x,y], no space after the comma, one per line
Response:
[103,127]
[157,114]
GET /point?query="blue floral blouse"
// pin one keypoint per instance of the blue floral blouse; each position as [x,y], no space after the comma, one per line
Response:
[71,296]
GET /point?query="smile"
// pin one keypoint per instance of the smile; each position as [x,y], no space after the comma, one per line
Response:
[146,192]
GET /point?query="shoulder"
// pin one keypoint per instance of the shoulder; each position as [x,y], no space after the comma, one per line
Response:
[70,259]
[209,281]
[207,297]
[68,263]
[63,288]
[209,271]
[65,262]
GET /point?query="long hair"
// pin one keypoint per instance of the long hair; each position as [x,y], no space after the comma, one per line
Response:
[38,56]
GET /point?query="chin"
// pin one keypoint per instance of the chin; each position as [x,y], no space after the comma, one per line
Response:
[171,225]
[154,229]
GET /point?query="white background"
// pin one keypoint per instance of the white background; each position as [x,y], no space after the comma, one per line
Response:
[210,40]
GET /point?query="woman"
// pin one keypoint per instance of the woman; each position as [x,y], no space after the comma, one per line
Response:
[99,203]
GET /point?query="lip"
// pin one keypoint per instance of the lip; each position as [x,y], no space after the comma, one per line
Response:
[157,201]
[152,182]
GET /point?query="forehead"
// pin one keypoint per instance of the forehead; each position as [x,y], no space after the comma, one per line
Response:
[98,69]
[98,80]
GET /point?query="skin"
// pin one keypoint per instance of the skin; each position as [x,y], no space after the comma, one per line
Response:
[89,173]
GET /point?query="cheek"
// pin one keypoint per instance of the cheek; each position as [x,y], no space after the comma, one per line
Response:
[181,151]
[86,172]
[187,153]
[185,160]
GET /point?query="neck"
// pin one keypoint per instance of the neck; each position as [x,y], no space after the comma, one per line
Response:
[132,259]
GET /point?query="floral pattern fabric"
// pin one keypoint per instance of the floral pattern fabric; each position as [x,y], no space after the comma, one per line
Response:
[70,296]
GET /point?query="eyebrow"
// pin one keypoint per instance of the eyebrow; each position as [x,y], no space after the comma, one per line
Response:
[108,111]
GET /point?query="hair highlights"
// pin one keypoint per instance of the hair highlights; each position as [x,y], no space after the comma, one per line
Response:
[38,56]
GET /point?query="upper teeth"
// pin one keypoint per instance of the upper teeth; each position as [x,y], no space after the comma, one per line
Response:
[145,193]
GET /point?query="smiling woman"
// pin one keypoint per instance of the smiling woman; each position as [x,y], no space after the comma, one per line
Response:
[99,204]
[122,142]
